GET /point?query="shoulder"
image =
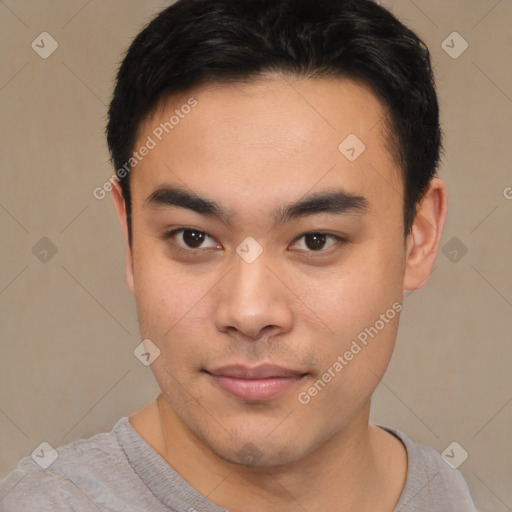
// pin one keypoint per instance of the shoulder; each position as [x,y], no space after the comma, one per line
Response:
[431,483]
[64,479]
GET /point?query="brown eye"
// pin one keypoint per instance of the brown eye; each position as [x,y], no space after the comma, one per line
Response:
[316,242]
[191,239]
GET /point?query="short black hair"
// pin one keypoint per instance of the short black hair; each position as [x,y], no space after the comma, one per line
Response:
[196,42]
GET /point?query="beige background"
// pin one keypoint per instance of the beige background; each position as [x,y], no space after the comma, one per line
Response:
[68,325]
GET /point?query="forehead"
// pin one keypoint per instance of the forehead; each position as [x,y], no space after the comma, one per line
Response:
[271,137]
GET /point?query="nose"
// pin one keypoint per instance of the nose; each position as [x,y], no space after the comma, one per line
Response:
[253,301]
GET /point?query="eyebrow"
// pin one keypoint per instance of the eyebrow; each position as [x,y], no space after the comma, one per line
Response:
[332,202]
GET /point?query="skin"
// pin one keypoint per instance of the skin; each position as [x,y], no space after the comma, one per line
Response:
[252,148]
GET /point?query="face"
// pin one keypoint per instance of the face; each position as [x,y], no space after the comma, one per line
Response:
[268,261]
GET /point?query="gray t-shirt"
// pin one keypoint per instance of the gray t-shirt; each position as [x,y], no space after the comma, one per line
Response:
[120,472]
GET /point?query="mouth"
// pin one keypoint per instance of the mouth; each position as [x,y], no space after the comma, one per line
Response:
[255,384]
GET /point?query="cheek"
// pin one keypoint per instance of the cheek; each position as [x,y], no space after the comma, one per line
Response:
[353,294]
[167,296]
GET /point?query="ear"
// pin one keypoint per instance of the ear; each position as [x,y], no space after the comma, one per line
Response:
[425,236]
[117,197]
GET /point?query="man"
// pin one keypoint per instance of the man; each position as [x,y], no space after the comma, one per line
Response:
[277,193]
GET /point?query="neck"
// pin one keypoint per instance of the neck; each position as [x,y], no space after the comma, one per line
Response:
[352,471]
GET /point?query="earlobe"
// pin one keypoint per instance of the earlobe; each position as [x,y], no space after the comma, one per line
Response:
[120,205]
[425,237]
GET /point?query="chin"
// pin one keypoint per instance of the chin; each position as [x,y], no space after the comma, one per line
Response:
[252,457]
[261,450]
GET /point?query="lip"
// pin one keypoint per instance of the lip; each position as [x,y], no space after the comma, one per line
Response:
[255,384]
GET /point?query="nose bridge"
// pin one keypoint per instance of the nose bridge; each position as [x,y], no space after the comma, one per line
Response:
[251,279]
[251,297]
[250,272]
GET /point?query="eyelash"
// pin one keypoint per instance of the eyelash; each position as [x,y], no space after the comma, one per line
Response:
[169,234]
